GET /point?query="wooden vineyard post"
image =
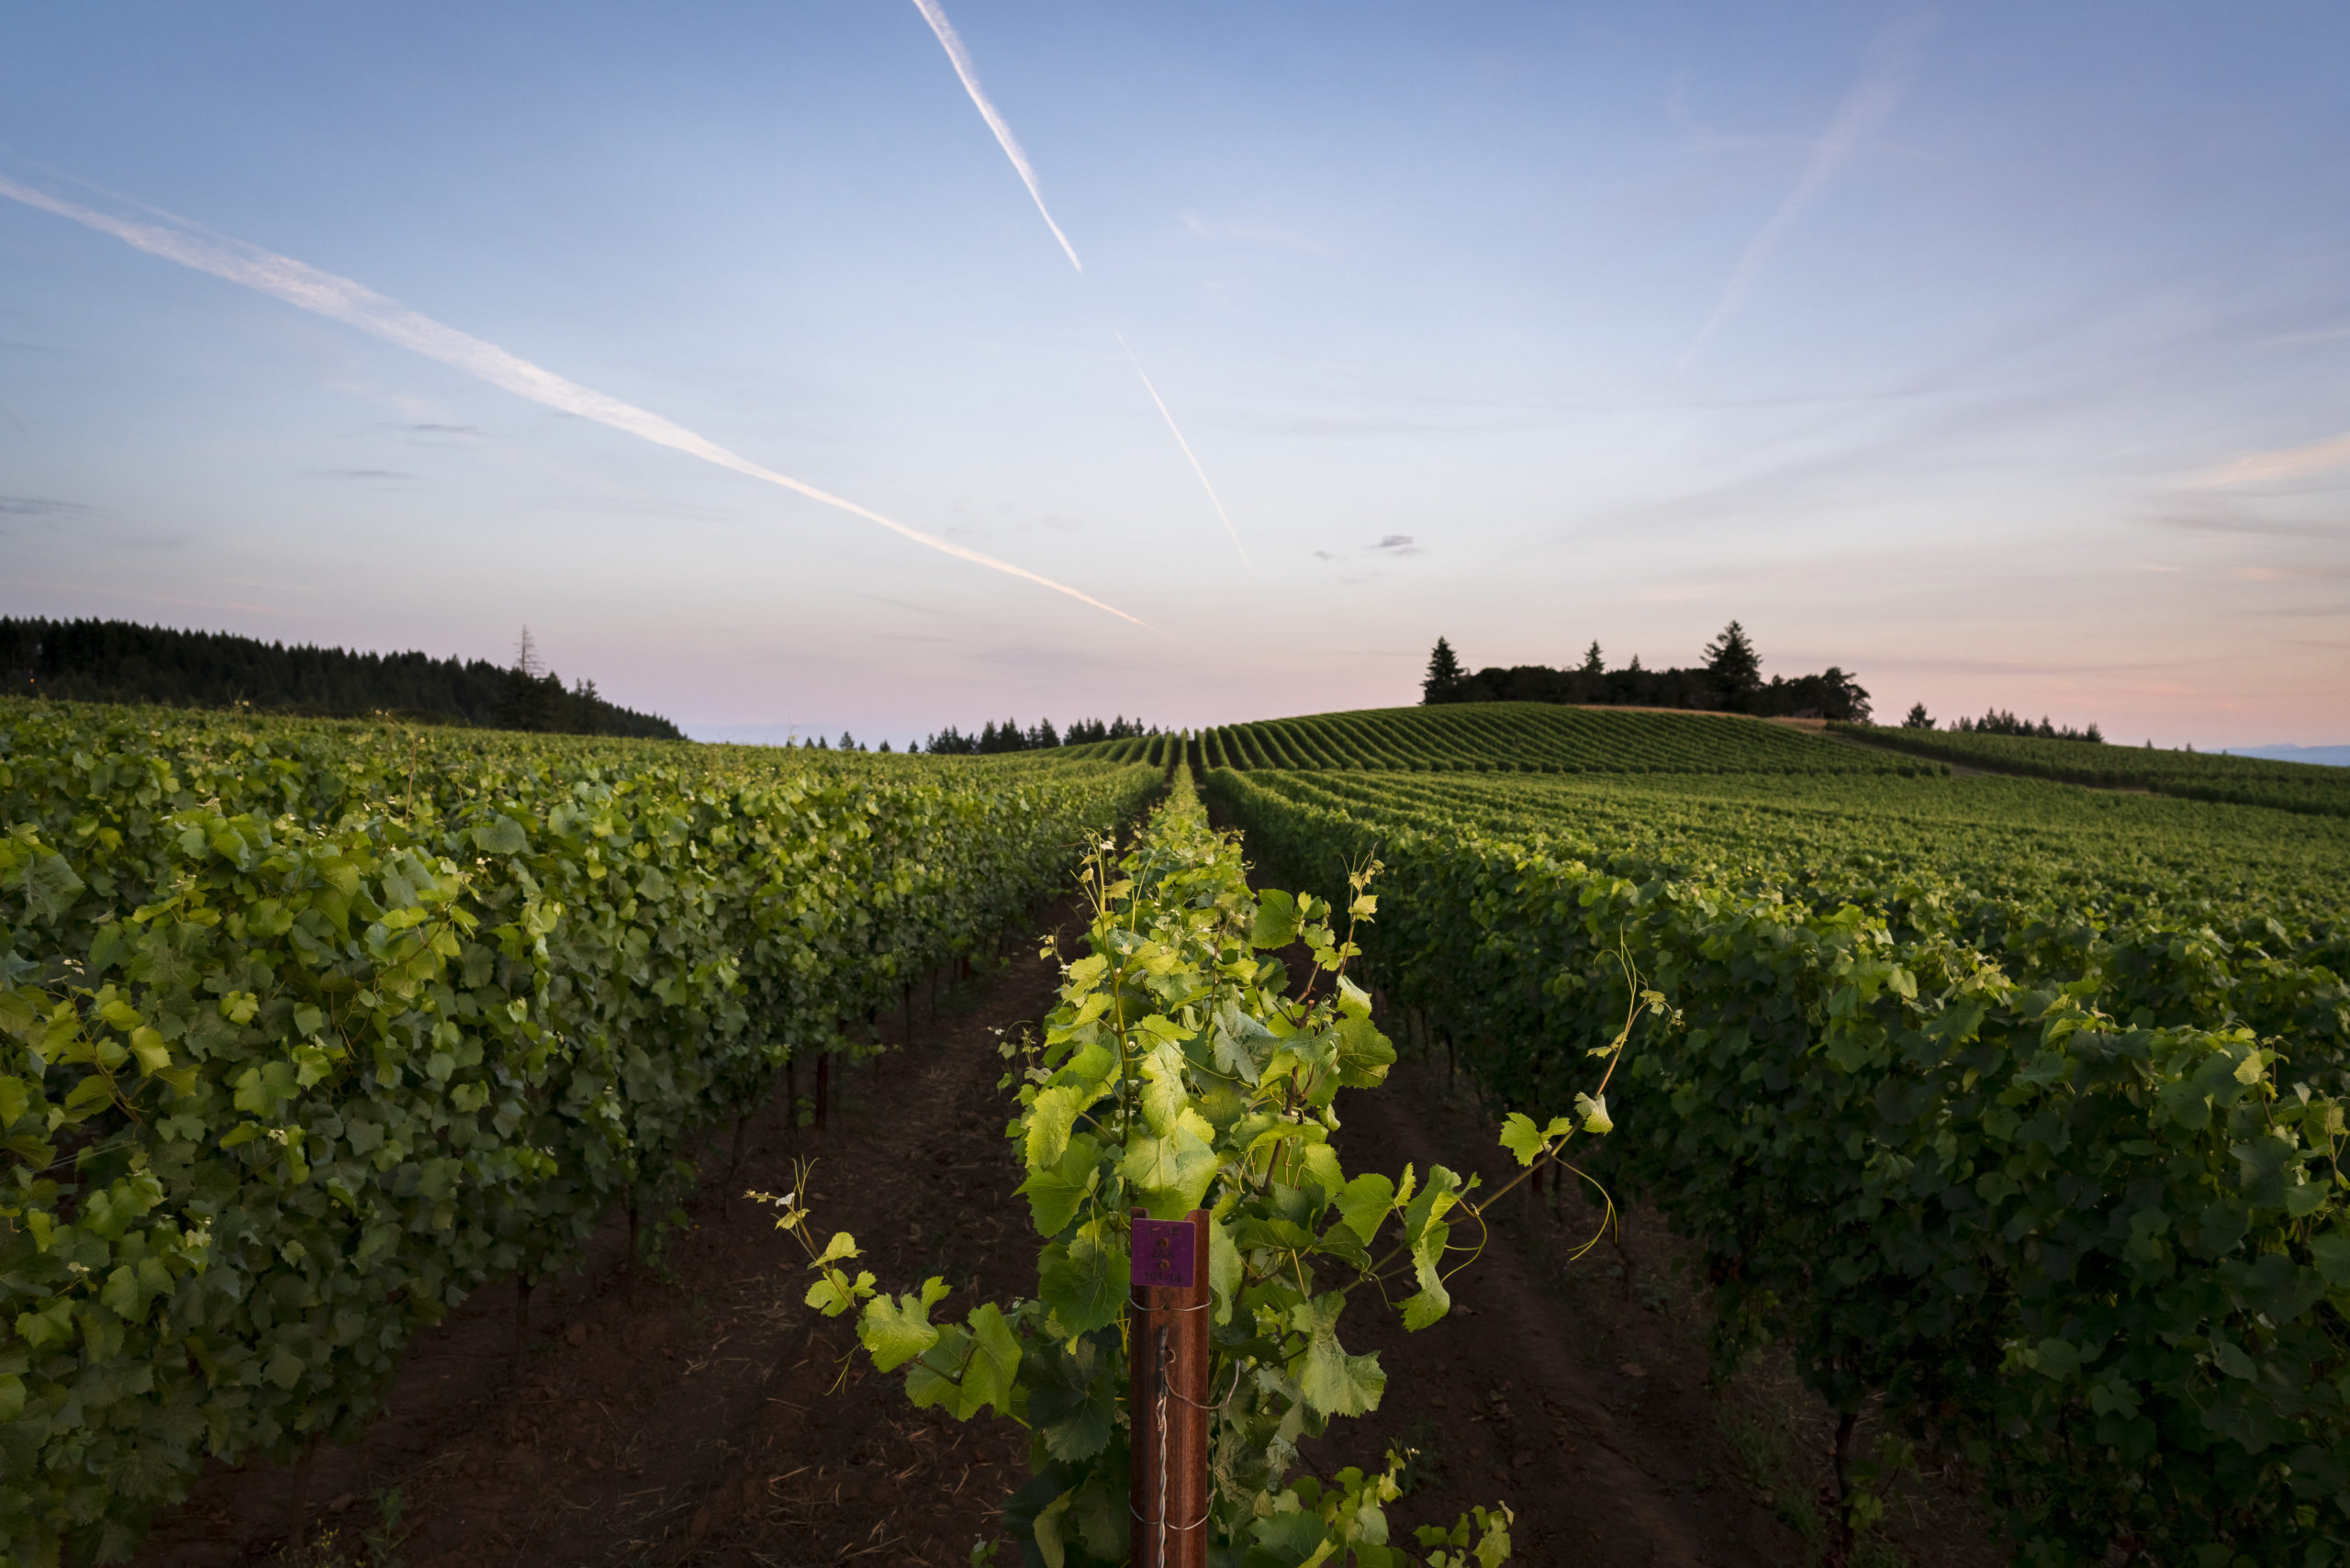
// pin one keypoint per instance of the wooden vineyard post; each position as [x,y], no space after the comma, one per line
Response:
[1167,1364]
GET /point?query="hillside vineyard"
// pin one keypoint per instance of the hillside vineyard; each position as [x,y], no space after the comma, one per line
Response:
[2014,1103]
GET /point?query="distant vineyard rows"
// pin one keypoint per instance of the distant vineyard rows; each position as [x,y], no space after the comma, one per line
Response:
[1150,751]
[1534,738]
[2195,775]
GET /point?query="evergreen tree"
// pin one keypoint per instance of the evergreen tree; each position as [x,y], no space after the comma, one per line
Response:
[530,692]
[849,742]
[1736,669]
[1445,675]
[1916,718]
[1593,663]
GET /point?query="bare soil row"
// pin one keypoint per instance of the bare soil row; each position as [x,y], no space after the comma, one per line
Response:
[700,1414]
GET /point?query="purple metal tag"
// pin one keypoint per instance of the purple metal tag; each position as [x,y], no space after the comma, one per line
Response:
[1162,1255]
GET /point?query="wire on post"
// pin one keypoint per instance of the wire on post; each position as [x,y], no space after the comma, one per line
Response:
[1167,1376]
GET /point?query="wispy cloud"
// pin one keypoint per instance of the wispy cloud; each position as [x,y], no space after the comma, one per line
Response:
[1884,76]
[1389,546]
[2284,462]
[904,604]
[2217,517]
[41,506]
[356,305]
[1249,234]
[961,59]
[951,42]
[172,599]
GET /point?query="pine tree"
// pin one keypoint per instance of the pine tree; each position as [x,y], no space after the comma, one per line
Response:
[530,692]
[1444,677]
[1916,718]
[1736,669]
[1593,663]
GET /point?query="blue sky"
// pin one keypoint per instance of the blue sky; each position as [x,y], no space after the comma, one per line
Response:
[1995,352]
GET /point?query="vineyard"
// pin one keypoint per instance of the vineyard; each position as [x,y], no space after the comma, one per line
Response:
[1533,737]
[313,1028]
[1150,751]
[2191,774]
[2011,1110]
[2016,1108]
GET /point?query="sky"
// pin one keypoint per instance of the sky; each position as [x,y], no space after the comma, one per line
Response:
[1997,353]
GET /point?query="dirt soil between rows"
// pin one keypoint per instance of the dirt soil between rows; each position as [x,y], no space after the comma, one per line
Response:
[699,1413]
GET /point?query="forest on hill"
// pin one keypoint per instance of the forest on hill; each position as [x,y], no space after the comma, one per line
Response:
[119,661]
[1729,680]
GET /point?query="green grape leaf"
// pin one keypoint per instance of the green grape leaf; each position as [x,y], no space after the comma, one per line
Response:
[50,887]
[1055,1196]
[149,1048]
[1165,1096]
[502,836]
[935,1378]
[1081,1282]
[1433,1203]
[993,1364]
[2331,1252]
[832,1298]
[1277,920]
[1364,1204]
[1333,1382]
[1522,1138]
[1432,1301]
[1226,1268]
[1072,1397]
[1241,1044]
[1172,1174]
[896,1329]
[1364,1054]
[1049,1120]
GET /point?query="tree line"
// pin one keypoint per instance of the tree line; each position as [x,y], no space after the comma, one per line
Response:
[119,661]
[1999,722]
[1010,736]
[1728,681]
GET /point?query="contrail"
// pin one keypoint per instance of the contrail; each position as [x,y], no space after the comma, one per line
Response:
[1213,500]
[1883,78]
[961,60]
[1009,144]
[358,305]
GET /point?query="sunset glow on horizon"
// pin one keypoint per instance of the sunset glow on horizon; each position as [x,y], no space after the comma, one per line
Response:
[1996,355]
